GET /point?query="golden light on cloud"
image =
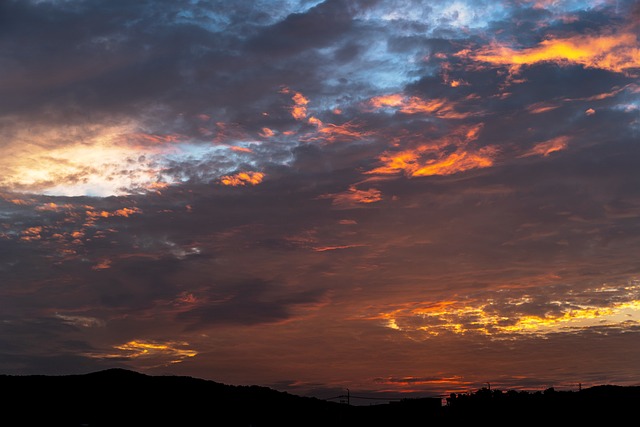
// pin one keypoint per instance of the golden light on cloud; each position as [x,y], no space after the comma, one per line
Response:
[436,158]
[266,133]
[174,352]
[547,147]
[353,197]
[124,212]
[438,107]
[393,100]
[238,149]
[54,207]
[299,109]
[617,52]
[242,178]
[92,216]
[102,265]
[97,161]
[452,382]
[541,108]
[505,319]
[331,133]
[457,162]
[32,233]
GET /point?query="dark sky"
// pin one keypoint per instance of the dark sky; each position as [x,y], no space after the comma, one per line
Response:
[393,197]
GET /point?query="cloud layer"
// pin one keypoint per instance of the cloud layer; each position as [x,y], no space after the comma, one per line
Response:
[314,195]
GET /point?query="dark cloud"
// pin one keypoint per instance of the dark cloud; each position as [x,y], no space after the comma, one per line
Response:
[247,303]
[315,28]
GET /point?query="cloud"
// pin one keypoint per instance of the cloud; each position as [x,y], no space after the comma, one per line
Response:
[547,147]
[242,178]
[315,28]
[450,178]
[415,105]
[249,302]
[446,156]
[354,197]
[151,352]
[502,316]
[616,52]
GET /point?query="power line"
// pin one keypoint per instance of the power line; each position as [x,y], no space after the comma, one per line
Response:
[345,396]
[350,396]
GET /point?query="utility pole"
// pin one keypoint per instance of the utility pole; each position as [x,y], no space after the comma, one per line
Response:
[348,396]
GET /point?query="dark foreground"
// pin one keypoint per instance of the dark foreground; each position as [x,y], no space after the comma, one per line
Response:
[123,398]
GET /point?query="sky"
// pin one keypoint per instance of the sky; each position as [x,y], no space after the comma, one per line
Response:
[398,198]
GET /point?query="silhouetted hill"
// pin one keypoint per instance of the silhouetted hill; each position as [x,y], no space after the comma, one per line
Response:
[118,397]
[122,398]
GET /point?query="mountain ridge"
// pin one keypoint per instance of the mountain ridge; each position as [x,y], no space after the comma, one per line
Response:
[123,397]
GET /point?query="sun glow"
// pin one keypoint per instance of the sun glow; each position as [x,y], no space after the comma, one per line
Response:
[96,161]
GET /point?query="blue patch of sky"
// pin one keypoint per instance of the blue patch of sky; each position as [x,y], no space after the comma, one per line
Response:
[208,162]
[458,16]
[222,15]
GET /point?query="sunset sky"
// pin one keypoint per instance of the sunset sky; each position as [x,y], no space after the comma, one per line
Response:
[399,198]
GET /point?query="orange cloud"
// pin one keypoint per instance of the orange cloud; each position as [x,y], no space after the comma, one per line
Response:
[458,83]
[157,186]
[124,212]
[102,265]
[354,197]
[266,133]
[454,382]
[174,352]
[394,100]
[32,233]
[436,158]
[415,105]
[19,202]
[334,133]
[54,207]
[458,162]
[477,316]
[541,107]
[240,149]
[299,110]
[547,147]
[333,248]
[242,178]
[614,52]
